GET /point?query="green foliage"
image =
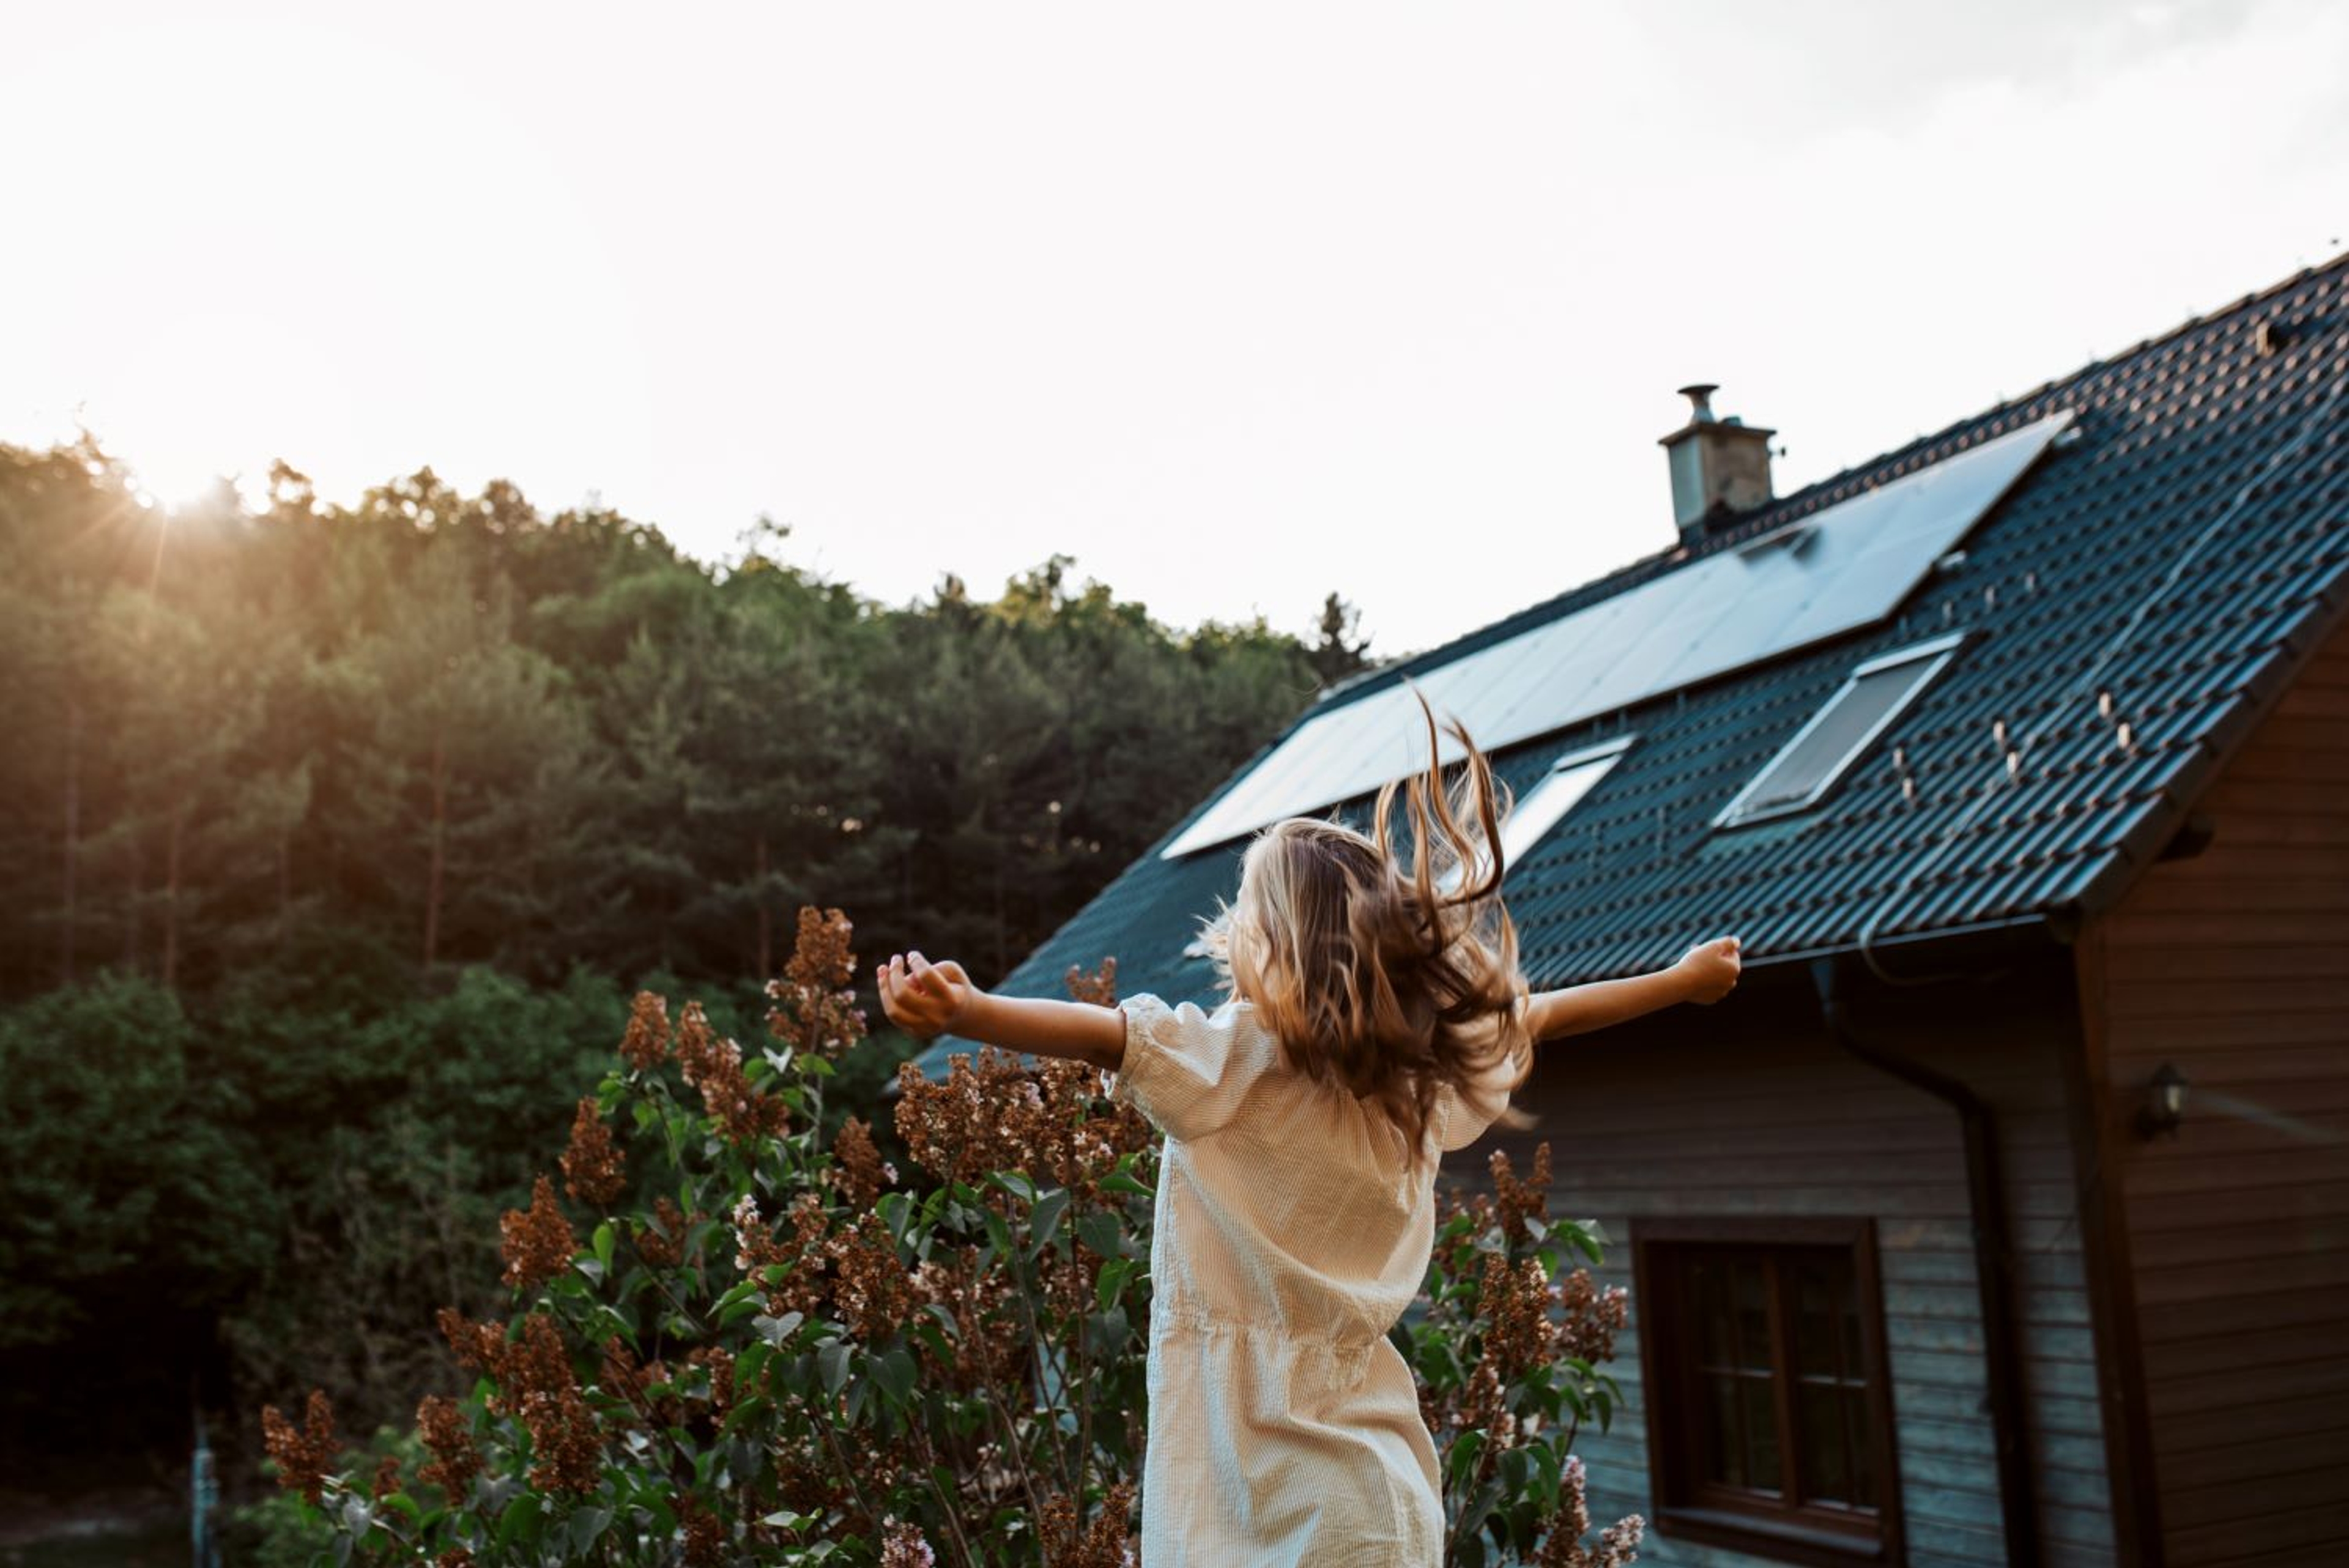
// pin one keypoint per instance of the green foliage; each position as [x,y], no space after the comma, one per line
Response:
[339,835]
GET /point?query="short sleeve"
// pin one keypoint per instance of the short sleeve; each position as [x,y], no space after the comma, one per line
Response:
[1465,1117]
[1186,1069]
[1468,1109]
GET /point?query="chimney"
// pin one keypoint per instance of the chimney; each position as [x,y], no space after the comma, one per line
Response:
[1720,467]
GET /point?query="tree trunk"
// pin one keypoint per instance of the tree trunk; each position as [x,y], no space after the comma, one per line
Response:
[171,893]
[440,825]
[73,837]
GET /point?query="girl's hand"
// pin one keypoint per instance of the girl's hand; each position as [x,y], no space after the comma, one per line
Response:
[924,999]
[1709,969]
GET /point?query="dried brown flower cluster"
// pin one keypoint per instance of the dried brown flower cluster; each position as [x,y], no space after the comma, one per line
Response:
[901,1546]
[594,1170]
[992,1114]
[662,1243]
[858,1173]
[870,1286]
[1069,1281]
[705,1534]
[1593,1318]
[1519,1201]
[646,1043]
[448,1438]
[537,1243]
[537,1385]
[1099,986]
[387,1477]
[455,1557]
[815,1009]
[1619,1544]
[713,1064]
[1513,1302]
[1105,1543]
[303,1456]
[800,1288]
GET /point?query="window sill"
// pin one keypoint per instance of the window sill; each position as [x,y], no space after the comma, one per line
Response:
[1790,1540]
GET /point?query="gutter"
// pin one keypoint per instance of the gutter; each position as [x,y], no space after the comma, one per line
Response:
[1994,1258]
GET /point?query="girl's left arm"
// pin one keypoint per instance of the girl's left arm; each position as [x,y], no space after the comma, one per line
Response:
[1705,973]
[926,999]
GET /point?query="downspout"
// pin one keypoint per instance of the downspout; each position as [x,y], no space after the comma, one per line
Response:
[1993,1261]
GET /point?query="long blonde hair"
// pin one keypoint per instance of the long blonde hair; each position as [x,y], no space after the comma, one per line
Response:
[1390,978]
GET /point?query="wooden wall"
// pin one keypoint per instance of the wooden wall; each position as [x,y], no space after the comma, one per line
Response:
[2234,966]
[1748,1107]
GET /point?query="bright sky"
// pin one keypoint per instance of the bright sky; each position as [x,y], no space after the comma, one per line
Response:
[1236,304]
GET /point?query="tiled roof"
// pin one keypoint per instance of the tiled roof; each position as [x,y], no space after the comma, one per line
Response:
[2167,569]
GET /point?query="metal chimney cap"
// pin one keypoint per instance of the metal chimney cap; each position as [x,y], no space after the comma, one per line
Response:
[1701,393]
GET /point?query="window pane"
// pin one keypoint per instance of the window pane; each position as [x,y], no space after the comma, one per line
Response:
[1855,1357]
[1752,1317]
[1826,1468]
[1760,1434]
[1814,1322]
[1725,1446]
[1863,1470]
[1716,1329]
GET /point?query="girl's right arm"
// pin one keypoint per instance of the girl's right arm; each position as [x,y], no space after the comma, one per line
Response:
[926,999]
[1705,973]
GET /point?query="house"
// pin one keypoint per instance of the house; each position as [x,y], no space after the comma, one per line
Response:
[2002,1214]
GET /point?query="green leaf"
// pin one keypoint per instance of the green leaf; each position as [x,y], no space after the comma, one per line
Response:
[817,1067]
[999,1231]
[1015,1182]
[1101,1231]
[1118,1181]
[585,1526]
[519,1520]
[1460,1458]
[1109,1331]
[895,1372]
[1044,1219]
[832,1365]
[603,1245]
[1112,1283]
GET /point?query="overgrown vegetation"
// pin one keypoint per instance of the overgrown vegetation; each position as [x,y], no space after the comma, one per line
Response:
[785,1349]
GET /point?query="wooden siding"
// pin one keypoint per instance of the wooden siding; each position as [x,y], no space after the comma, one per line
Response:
[2234,965]
[1748,1107]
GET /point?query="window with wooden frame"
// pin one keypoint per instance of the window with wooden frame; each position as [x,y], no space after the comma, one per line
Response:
[1769,1407]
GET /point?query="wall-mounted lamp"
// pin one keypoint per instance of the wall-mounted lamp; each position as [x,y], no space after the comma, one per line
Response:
[2165,1103]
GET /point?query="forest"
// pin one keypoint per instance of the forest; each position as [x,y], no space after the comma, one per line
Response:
[340,836]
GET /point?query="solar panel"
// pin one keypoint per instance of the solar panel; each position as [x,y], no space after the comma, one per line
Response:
[1809,764]
[1839,569]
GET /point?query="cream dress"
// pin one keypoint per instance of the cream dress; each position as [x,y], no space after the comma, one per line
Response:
[1285,1430]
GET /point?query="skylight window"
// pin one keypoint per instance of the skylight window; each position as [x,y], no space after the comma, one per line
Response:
[1569,778]
[1824,750]
[1540,809]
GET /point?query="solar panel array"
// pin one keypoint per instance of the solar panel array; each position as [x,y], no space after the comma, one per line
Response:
[1842,568]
